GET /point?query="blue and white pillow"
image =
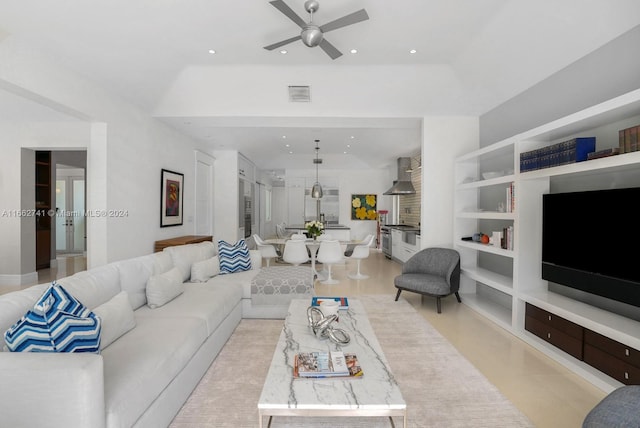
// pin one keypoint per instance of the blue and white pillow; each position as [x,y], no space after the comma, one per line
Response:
[58,322]
[234,257]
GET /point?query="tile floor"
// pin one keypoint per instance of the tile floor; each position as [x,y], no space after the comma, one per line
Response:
[550,395]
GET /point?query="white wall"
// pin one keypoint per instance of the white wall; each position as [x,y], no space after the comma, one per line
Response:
[445,138]
[126,150]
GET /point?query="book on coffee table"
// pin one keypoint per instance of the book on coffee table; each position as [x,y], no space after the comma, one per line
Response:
[326,365]
[344,302]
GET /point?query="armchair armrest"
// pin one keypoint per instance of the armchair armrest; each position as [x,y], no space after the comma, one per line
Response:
[51,389]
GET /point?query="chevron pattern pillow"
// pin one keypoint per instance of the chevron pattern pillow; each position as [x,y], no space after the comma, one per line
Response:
[234,257]
[58,322]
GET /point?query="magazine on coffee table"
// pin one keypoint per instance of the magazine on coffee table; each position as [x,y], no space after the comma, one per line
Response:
[344,302]
[326,365]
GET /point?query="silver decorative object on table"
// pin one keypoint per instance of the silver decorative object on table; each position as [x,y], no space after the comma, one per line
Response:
[322,328]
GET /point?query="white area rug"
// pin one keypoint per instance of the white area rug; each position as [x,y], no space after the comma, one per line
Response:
[441,388]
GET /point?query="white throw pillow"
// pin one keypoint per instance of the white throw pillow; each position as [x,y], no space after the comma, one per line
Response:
[117,318]
[203,270]
[163,288]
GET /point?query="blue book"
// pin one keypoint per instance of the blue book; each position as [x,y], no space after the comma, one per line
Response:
[344,302]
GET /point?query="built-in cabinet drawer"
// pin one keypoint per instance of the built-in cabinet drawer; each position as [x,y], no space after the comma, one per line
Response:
[613,358]
[556,330]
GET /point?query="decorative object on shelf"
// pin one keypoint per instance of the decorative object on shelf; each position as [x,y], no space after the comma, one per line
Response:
[172,198]
[363,207]
[314,228]
[316,190]
[492,174]
[322,329]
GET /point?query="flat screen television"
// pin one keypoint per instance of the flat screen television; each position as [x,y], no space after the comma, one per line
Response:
[588,242]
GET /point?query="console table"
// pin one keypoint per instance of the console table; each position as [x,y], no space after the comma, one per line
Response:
[180,240]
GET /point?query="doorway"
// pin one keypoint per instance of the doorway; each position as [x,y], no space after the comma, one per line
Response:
[71,223]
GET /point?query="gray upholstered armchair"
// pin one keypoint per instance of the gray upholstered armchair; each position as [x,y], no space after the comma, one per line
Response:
[432,272]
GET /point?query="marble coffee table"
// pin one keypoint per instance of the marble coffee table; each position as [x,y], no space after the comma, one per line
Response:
[374,394]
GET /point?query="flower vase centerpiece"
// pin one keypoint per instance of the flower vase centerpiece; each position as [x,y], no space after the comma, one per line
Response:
[314,229]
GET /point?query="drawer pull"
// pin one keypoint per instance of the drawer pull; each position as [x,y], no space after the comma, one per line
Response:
[626,352]
[626,375]
[548,335]
[549,317]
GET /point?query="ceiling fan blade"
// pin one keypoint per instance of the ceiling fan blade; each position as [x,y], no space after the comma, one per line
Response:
[352,18]
[282,7]
[330,49]
[282,43]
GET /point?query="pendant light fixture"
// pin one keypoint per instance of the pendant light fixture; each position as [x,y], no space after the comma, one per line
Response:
[316,190]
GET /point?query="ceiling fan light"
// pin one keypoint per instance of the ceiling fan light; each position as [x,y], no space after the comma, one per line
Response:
[311,35]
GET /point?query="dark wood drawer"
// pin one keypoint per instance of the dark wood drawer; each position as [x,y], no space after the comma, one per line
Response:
[556,322]
[568,343]
[610,346]
[612,366]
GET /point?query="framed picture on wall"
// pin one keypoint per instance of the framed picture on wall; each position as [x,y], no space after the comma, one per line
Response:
[171,198]
[363,207]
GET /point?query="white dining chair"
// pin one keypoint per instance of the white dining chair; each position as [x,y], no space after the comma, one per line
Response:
[361,251]
[295,252]
[329,254]
[267,251]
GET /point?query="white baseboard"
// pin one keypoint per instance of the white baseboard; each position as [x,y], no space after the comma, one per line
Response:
[14,282]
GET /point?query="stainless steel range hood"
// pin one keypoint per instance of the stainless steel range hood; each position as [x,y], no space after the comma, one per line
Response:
[402,186]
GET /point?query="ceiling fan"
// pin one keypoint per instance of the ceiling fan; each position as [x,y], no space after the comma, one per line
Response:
[312,35]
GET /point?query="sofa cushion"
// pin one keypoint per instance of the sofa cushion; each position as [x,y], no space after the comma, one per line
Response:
[204,269]
[117,318]
[163,288]
[58,322]
[234,257]
[15,304]
[210,303]
[162,262]
[93,287]
[184,256]
[142,363]
[134,274]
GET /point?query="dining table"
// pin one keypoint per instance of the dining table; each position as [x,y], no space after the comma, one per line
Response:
[313,246]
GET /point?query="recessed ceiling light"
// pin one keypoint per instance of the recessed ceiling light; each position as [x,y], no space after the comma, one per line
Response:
[284,136]
[354,51]
[345,152]
[348,146]
[290,152]
[352,137]
[287,145]
[412,51]
[212,51]
[283,51]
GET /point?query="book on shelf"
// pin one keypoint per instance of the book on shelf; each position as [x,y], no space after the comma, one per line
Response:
[604,153]
[628,139]
[322,364]
[344,302]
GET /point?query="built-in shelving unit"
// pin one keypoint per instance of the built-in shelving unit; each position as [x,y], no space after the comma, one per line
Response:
[43,206]
[497,282]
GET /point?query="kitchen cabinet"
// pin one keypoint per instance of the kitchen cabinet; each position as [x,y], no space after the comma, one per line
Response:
[404,244]
[295,200]
[396,242]
[505,284]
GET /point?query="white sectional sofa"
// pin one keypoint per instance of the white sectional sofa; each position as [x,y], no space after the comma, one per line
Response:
[153,357]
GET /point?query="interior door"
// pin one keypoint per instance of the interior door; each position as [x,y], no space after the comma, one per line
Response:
[70,219]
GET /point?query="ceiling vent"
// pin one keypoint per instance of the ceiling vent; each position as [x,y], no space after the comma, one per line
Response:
[299,94]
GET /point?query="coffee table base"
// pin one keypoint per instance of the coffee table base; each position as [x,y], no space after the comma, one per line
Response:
[390,413]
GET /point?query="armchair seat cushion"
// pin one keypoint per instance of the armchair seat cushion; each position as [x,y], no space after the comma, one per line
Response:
[423,283]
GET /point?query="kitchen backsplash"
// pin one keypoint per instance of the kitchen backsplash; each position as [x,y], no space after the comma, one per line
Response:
[410,204]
